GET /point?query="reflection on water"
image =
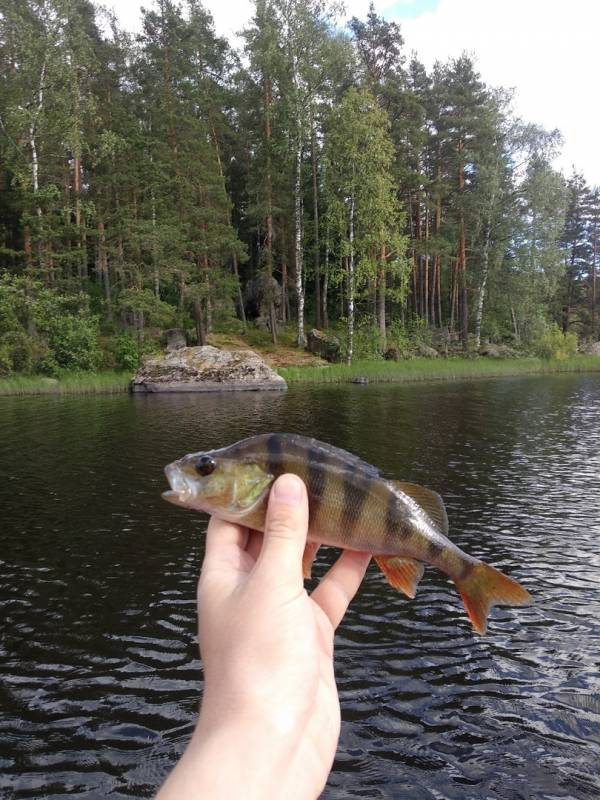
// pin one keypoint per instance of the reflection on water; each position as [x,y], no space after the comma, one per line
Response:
[99,671]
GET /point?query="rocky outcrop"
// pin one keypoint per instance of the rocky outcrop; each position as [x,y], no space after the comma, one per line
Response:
[324,345]
[425,351]
[492,350]
[206,369]
[591,349]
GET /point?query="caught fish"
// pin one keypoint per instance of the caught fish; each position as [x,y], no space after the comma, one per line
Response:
[403,525]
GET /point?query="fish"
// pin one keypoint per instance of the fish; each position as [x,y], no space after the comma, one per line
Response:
[351,506]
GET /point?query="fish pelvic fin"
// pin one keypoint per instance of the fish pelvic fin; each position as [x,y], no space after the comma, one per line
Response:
[483,587]
[403,574]
[309,555]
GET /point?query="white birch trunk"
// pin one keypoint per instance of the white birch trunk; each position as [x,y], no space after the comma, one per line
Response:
[351,283]
[35,169]
[485,259]
[301,338]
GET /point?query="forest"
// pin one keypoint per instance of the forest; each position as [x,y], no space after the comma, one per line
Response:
[316,175]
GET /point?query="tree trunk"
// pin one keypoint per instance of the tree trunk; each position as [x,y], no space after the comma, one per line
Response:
[485,260]
[199,319]
[462,258]
[103,268]
[240,299]
[351,283]
[269,215]
[326,279]
[381,287]
[155,273]
[301,338]
[594,272]
[315,191]
[35,181]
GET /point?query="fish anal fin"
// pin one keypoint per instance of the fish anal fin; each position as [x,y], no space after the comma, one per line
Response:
[429,501]
[483,587]
[309,555]
[403,574]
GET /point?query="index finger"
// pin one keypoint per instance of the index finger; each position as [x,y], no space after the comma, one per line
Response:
[340,584]
[224,543]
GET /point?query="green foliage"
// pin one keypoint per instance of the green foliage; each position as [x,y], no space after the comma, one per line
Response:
[16,352]
[554,343]
[73,341]
[367,341]
[139,176]
[144,302]
[399,339]
[127,352]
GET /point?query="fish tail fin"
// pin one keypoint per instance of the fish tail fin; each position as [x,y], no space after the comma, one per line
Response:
[483,587]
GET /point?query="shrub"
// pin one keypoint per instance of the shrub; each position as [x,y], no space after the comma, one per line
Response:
[127,352]
[399,340]
[553,343]
[73,340]
[367,340]
[17,349]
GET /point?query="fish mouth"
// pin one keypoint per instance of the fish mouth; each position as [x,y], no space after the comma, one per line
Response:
[182,488]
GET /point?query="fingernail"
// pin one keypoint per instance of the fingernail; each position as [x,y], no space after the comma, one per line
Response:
[288,489]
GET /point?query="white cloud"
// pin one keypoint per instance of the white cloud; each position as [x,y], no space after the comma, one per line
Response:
[545,49]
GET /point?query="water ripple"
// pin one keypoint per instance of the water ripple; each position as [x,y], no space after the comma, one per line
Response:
[99,670]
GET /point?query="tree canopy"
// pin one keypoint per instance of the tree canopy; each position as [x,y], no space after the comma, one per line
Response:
[318,176]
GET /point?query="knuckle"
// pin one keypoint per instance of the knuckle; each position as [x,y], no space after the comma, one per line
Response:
[280,526]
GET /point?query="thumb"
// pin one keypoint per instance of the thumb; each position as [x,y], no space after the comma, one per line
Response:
[286,527]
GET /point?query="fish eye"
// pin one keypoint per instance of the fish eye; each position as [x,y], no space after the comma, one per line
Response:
[205,465]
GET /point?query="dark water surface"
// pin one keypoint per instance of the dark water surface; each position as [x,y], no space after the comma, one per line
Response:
[99,672]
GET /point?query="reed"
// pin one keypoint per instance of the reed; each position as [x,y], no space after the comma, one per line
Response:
[69,383]
[444,369]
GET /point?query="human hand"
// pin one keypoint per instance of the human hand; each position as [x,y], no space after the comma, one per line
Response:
[270,717]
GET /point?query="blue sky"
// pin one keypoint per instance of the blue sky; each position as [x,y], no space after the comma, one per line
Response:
[408,9]
[545,49]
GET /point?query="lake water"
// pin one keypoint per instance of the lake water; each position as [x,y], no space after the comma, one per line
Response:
[99,672]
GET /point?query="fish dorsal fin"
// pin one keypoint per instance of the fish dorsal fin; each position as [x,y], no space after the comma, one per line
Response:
[430,502]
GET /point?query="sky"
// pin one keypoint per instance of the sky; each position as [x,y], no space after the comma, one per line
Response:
[545,49]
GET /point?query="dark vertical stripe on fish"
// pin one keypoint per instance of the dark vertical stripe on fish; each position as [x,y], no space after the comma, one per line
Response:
[434,549]
[274,455]
[394,526]
[316,480]
[356,492]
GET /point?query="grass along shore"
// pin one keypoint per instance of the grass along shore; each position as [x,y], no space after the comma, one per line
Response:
[417,369]
[444,369]
[75,383]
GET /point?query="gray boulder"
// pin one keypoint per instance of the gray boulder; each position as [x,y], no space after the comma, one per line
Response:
[175,339]
[491,350]
[425,351]
[592,349]
[206,369]
[323,344]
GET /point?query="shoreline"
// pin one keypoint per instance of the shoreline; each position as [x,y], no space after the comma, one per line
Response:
[410,371]
[439,369]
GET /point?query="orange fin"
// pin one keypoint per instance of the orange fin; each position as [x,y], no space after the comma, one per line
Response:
[403,574]
[430,502]
[484,587]
[310,552]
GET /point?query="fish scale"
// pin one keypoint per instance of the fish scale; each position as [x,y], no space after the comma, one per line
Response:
[351,506]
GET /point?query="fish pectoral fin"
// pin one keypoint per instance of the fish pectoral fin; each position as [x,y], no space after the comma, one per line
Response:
[483,587]
[403,574]
[429,501]
[309,555]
